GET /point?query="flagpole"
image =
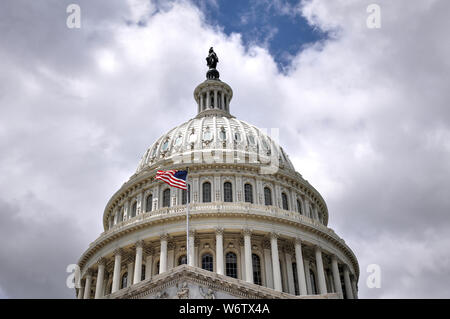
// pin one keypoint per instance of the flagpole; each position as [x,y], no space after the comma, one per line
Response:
[187,220]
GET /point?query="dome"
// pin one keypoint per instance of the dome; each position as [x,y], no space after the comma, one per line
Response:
[215,138]
[247,225]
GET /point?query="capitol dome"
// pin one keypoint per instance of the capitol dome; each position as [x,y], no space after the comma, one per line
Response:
[256,229]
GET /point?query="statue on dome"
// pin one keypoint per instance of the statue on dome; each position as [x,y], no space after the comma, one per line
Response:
[211,61]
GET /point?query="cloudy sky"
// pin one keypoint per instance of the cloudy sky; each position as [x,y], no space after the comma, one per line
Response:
[363,114]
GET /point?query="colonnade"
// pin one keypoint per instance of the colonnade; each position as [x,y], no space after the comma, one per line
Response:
[303,284]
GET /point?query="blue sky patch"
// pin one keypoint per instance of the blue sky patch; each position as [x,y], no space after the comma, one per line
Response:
[276,25]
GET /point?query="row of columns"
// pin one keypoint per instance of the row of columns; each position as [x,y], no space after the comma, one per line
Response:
[206,103]
[273,272]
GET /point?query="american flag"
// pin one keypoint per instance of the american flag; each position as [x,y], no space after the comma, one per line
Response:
[173,178]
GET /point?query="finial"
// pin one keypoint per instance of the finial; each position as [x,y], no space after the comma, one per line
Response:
[211,62]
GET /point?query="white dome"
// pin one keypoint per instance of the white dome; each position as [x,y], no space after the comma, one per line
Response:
[211,134]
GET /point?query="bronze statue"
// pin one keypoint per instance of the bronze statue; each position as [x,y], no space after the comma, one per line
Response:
[212,59]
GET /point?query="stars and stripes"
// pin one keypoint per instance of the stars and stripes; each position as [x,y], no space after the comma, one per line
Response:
[173,177]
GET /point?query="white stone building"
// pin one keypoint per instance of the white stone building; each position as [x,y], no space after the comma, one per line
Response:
[257,229]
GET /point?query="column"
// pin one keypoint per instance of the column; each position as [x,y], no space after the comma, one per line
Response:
[170,255]
[80,292]
[354,288]
[87,285]
[208,100]
[316,212]
[148,263]
[138,262]
[219,251]
[275,262]
[268,264]
[306,207]
[300,267]
[116,216]
[215,99]
[130,270]
[222,95]
[336,276]
[347,284]
[320,272]
[242,258]
[126,210]
[201,103]
[290,274]
[163,254]
[307,276]
[248,256]
[117,266]
[142,202]
[100,278]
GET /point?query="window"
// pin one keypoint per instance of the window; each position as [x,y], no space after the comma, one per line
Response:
[157,268]
[294,270]
[182,260]
[267,196]
[184,195]
[284,200]
[207,262]
[124,280]
[206,191]
[299,207]
[143,272]
[227,192]
[231,264]
[256,262]
[166,198]
[313,282]
[133,209]
[248,193]
[149,203]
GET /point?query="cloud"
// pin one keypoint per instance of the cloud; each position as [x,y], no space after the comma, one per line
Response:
[363,116]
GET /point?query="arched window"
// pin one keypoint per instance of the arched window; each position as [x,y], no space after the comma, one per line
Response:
[123,282]
[149,203]
[207,262]
[267,196]
[133,209]
[256,262]
[284,200]
[182,260]
[294,271]
[143,272]
[248,193]
[231,264]
[166,197]
[299,207]
[184,195]
[227,192]
[313,282]
[206,192]
[157,268]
